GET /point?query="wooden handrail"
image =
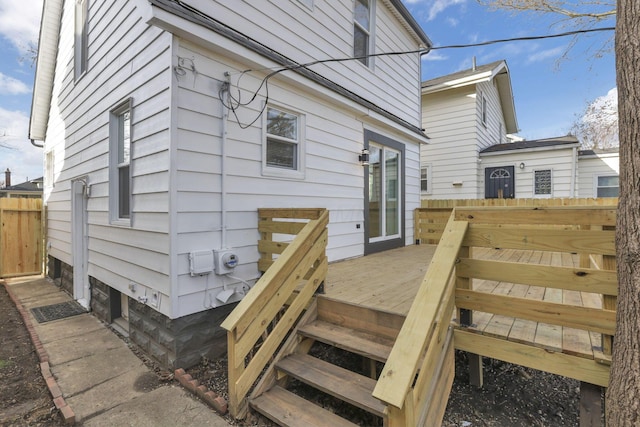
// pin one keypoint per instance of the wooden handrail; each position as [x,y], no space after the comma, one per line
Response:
[422,326]
[263,315]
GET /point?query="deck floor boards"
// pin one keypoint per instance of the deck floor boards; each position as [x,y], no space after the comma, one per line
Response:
[388,281]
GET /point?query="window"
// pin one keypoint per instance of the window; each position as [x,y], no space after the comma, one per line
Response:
[283,148]
[542,182]
[362,30]
[80,39]
[425,179]
[120,163]
[607,186]
[483,107]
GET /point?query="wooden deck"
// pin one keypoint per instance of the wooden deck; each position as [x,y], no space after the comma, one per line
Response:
[388,281]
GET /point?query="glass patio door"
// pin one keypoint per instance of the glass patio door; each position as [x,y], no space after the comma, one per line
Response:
[385,207]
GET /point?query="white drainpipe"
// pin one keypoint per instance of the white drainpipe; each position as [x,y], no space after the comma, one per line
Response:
[574,171]
[223,166]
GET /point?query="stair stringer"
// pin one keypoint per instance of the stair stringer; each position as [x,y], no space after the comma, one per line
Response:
[294,343]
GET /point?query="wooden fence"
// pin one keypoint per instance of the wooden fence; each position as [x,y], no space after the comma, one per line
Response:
[21,237]
[431,218]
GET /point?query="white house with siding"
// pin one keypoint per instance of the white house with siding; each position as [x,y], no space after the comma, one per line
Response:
[470,118]
[463,113]
[164,129]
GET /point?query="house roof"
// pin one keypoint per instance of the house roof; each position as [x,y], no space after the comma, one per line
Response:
[498,71]
[568,141]
[599,151]
[48,49]
[31,185]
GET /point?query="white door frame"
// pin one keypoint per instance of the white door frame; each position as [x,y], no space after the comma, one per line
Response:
[79,244]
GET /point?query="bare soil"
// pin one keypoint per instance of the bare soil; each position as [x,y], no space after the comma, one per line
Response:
[512,395]
[24,397]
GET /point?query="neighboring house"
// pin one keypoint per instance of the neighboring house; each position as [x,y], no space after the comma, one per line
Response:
[162,137]
[464,113]
[527,169]
[29,189]
[470,118]
[598,173]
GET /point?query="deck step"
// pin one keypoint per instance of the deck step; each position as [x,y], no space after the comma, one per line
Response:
[346,385]
[289,410]
[358,342]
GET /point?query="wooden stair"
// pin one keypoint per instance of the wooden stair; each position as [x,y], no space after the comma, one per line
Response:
[285,408]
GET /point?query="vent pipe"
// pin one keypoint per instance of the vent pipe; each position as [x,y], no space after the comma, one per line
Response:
[7,178]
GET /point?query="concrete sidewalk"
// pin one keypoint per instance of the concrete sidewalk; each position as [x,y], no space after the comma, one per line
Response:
[102,382]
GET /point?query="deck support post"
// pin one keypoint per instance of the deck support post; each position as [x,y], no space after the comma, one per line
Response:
[590,405]
[476,373]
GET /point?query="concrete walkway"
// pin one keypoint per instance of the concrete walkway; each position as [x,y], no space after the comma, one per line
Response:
[101,381]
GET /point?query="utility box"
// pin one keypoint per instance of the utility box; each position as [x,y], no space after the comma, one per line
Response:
[225,261]
[200,262]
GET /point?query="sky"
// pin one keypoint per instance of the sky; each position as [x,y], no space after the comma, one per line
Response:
[549,93]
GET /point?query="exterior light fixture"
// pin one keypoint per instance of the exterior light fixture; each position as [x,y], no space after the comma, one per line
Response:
[522,165]
[364,157]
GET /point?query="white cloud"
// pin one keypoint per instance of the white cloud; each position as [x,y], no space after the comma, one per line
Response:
[16,152]
[20,21]
[439,6]
[11,86]
[543,55]
[434,56]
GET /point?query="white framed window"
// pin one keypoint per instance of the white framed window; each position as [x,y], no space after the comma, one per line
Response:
[362,30]
[425,179]
[542,182]
[120,163]
[483,108]
[81,48]
[49,162]
[283,148]
[607,186]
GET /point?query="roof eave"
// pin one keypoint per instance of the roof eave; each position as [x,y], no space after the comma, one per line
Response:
[45,68]
[412,24]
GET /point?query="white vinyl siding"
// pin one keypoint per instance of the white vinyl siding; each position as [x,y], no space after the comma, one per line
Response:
[449,118]
[328,33]
[333,178]
[593,166]
[132,61]
[556,161]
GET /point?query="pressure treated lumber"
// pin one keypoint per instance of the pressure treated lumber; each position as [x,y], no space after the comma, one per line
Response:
[290,410]
[358,342]
[346,385]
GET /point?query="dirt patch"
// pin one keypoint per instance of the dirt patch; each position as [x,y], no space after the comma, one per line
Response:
[512,395]
[26,400]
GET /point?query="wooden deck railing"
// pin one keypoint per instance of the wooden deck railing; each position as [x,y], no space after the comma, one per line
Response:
[424,345]
[263,319]
[580,298]
[432,216]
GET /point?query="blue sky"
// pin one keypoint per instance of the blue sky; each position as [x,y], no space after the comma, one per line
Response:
[548,94]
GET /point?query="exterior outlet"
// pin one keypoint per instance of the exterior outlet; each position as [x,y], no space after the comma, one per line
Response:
[225,261]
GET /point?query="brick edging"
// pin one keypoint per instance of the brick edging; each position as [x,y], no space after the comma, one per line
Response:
[66,412]
[214,400]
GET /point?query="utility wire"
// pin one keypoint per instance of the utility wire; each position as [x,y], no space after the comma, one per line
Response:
[235,103]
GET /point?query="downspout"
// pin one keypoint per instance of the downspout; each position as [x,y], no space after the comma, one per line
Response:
[572,190]
[223,166]
[35,144]
[574,169]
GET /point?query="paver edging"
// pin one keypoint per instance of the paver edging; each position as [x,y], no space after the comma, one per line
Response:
[211,398]
[66,412]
